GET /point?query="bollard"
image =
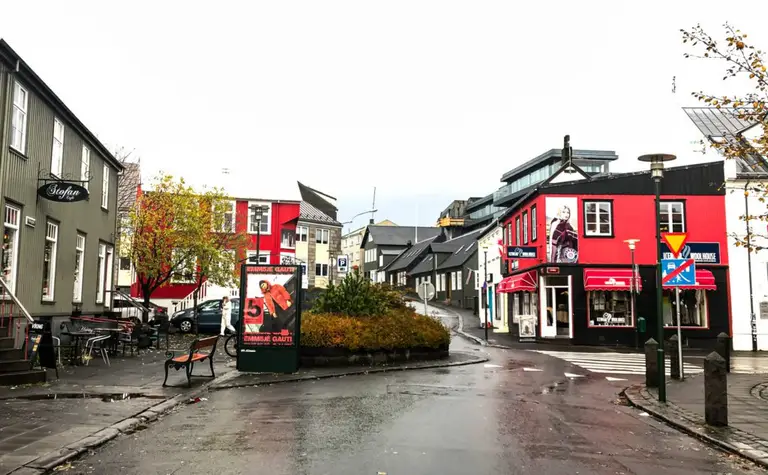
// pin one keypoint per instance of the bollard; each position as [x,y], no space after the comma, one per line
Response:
[674,358]
[651,364]
[715,390]
[723,348]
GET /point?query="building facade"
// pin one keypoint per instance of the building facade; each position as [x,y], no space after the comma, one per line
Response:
[58,184]
[383,244]
[490,262]
[570,266]
[318,244]
[350,244]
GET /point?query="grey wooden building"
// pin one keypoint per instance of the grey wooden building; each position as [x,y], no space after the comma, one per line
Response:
[58,185]
[383,244]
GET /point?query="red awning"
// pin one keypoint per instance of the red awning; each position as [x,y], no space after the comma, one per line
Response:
[704,281]
[525,282]
[610,279]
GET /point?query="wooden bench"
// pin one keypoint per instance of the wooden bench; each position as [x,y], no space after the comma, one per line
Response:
[188,358]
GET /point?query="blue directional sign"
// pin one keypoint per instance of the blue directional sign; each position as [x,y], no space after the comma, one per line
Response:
[678,272]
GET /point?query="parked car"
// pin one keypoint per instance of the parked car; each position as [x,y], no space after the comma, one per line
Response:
[208,317]
[127,310]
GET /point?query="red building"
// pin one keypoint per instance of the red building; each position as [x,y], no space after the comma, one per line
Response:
[276,237]
[566,244]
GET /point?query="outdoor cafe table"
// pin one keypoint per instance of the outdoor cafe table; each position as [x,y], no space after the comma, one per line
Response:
[77,336]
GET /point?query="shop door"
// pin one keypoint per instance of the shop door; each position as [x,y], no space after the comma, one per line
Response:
[556,314]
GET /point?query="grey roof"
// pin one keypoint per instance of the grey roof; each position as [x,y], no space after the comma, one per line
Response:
[606,155]
[397,235]
[309,213]
[463,248]
[424,266]
[409,255]
[391,252]
[725,124]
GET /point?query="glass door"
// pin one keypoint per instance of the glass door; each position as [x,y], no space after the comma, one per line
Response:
[555,307]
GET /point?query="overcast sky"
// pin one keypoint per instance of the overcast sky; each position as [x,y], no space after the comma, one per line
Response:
[428,101]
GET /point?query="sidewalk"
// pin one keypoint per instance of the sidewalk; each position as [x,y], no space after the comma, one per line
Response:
[747,434]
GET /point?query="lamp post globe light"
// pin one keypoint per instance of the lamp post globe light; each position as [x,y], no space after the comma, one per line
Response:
[657,161]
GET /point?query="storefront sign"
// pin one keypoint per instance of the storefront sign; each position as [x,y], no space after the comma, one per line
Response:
[610,319]
[270,319]
[62,192]
[701,252]
[527,328]
[521,252]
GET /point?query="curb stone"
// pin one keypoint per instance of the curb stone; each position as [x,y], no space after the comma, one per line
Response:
[638,397]
[355,372]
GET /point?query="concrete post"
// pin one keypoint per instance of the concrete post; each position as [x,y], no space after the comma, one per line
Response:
[715,390]
[651,364]
[723,348]
[674,358]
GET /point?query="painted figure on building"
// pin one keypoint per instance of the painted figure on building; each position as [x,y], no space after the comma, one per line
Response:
[563,239]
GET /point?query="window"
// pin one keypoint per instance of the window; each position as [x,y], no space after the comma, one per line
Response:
[533,223]
[672,217]
[321,270]
[105,187]
[185,268]
[453,281]
[109,272]
[517,231]
[509,234]
[10,250]
[100,273]
[459,284]
[301,234]
[49,260]
[77,291]
[693,308]
[610,309]
[263,257]
[321,236]
[125,263]
[19,119]
[598,218]
[57,154]
[381,260]
[85,166]
[288,238]
[525,227]
[442,282]
[259,213]
[228,214]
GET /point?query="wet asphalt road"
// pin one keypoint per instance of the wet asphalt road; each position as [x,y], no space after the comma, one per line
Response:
[477,419]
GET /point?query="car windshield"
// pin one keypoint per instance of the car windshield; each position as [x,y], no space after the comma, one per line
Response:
[211,305]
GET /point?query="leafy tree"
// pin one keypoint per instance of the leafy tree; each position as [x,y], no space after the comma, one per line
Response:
[746,64]
[357,296]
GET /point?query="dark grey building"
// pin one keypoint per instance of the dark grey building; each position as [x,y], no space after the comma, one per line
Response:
[383,244]
[398,271]
[58,184]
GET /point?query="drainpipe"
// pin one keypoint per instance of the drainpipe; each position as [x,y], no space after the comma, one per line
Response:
[752,318]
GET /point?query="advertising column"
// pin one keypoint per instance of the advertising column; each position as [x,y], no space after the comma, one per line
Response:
[270,319]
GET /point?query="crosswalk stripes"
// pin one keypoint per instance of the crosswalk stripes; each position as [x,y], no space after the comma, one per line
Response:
[613,363]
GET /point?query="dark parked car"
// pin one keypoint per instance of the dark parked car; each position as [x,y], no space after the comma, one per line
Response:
[208,317]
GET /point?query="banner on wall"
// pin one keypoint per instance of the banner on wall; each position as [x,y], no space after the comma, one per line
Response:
[562,229]
[270,319]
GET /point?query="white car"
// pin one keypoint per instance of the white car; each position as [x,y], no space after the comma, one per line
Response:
[128,310]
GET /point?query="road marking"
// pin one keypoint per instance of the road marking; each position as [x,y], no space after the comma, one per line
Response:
[613,363]
[614,379]
[532,369]
[571,375]
[492,365]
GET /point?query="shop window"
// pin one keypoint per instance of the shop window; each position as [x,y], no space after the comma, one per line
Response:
[693,308]
[672,217]
[610,309]
[49,260]
[598,216]
[10,254]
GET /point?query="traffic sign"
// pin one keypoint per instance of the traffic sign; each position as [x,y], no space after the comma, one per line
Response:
[342,263]
[675,242]
[426,291]
[678,272]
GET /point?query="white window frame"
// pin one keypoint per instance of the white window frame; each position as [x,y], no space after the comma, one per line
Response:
[534,209]
[322,267]
[12,221]
[19,118]
[85,167]
[525,227]
[302,234]
[291,235]
[57,151]
[459,278]
[666,216]
[381,260]
[109,266]
[453,281]
[105,187]
[592,218]
[266,217]
[101,272]
[442,282]
[231,226]
[518,241]
[77,290]
[263,257]
[52,236]
[322,236]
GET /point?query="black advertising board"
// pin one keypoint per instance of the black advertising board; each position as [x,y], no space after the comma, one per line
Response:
[270,319]
[62,192]
[40,344]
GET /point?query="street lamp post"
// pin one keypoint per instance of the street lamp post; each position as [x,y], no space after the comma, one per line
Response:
[258,210]
[632,243]
[657,173]
[486,290]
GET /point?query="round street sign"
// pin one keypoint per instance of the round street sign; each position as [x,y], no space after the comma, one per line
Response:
[426,291]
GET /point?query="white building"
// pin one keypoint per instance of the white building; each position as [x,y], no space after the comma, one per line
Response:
[748,290]
[497,310]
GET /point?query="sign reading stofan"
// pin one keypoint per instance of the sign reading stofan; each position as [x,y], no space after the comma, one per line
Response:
[63,192]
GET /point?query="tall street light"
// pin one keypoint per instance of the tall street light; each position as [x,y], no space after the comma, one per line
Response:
[257,213]
[486,290]
[632,243]
[657,173]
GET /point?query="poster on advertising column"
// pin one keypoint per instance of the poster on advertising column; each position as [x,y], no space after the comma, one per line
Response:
[270,319]
[562,229]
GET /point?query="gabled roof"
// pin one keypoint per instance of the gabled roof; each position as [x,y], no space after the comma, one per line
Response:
[463,248]
[318,199]
[426,265]
[409,255]
[310,214]
[397,235]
